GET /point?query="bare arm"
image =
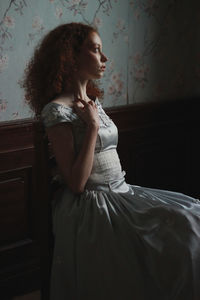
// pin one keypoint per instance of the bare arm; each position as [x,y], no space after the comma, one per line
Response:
[76,170]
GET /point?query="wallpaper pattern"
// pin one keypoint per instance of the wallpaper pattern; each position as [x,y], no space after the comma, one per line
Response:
[153,47]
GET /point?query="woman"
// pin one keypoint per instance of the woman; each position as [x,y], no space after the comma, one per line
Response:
[112,240]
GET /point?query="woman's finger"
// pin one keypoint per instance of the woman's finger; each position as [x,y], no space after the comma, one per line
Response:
[83,101]
[79,104]
[78,108]
[92,104]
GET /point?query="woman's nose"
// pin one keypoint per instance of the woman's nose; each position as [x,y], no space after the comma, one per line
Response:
[104,58]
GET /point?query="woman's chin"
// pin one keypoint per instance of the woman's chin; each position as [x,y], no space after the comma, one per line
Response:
[99,75]
[96,76]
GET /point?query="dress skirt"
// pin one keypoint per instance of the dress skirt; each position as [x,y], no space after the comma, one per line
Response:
[135,245]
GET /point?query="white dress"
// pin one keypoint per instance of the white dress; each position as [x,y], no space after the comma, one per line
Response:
[117,241]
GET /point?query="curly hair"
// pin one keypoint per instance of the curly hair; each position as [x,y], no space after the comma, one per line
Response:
[49,71]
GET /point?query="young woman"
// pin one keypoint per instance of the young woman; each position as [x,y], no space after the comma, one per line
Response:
[112,240]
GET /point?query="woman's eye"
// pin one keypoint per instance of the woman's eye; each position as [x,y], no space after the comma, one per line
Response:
[97,49]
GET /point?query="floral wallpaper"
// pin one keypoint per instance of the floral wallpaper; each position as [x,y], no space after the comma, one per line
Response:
[153,47]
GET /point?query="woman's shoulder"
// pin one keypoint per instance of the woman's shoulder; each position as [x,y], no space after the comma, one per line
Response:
[63,99]
[55,112]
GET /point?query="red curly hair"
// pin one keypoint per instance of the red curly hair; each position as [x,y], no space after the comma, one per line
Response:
[49,71]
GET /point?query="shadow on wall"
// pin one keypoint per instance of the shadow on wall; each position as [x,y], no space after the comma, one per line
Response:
[170,54]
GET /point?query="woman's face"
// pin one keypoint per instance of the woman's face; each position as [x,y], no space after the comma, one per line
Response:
[91,61]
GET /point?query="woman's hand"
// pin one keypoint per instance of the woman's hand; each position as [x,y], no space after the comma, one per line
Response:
[87,111]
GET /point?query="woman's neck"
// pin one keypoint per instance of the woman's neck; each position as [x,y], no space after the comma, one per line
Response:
[79,91]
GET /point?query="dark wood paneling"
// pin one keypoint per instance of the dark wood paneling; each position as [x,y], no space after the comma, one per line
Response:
[15,205]
[160,160]
[158,147]
[158,144]
[19,247]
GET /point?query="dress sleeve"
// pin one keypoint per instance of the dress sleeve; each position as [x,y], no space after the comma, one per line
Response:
[53,114]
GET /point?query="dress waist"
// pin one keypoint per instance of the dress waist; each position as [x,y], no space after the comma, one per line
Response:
[107,173]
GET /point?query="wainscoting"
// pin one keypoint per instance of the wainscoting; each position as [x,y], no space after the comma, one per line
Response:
[158,147]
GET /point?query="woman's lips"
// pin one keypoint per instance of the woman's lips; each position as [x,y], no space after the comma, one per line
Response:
[102,68]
